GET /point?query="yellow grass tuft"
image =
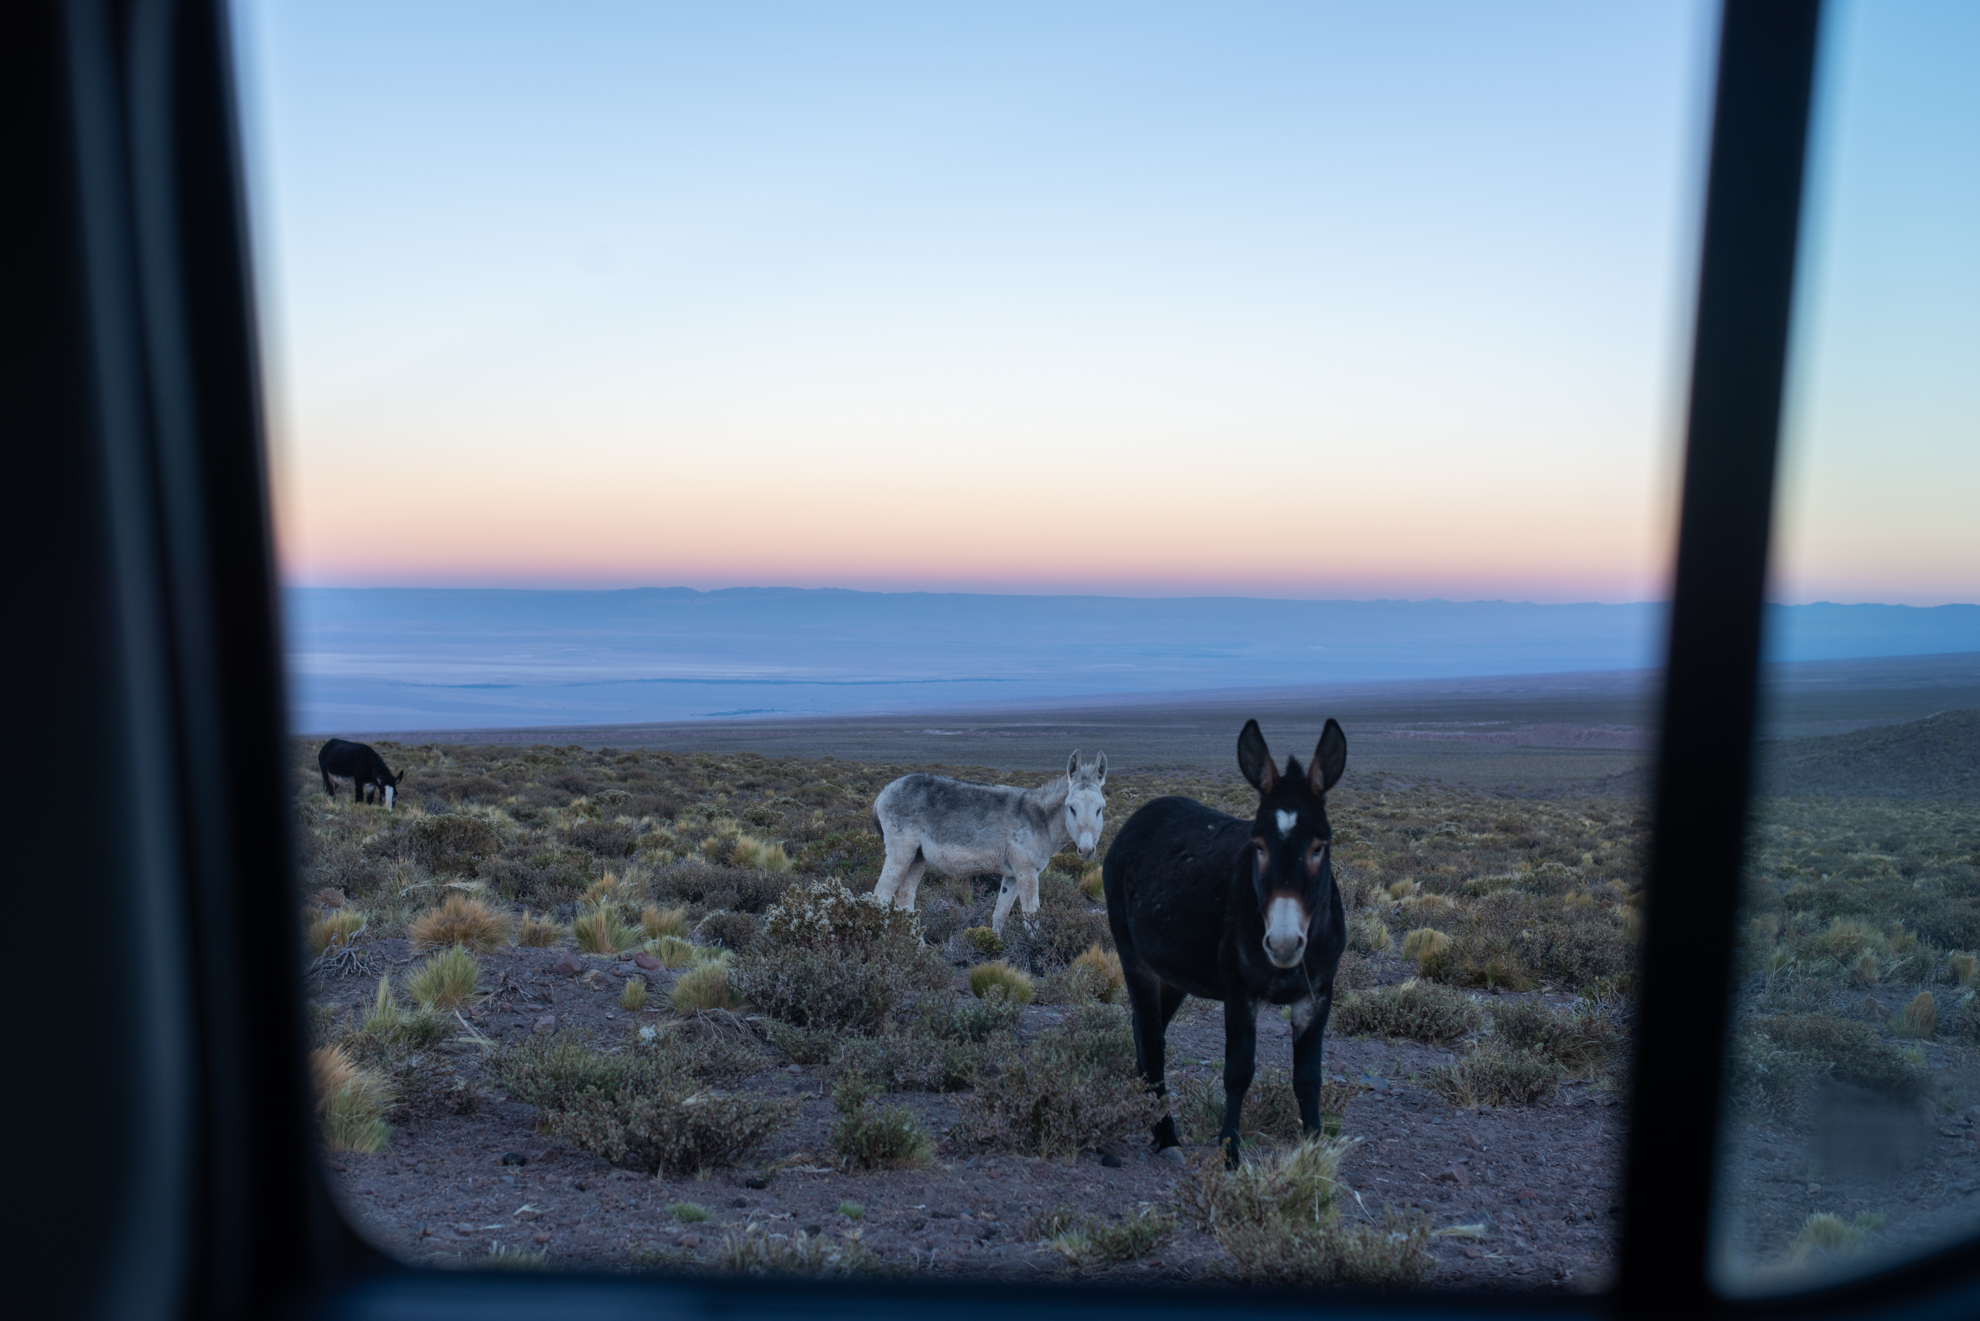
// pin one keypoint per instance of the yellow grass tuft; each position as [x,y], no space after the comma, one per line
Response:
[658,922]
[1962,967]
[1427,903]
[759,854]
[1919,1019]
[334,929]
[1092,883]
[1372,936]
[1401,890]
[672,951]
[602,931]
[447,980]
[461,921]
[633,998]
[537,932]
[1423,943]
[351,1101]
[607,889]
[1865,970]
[703,987]
[386,1017]
[1017,985]
[1105,966]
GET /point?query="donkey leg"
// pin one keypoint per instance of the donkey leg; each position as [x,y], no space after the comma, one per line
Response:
[1240,1064]
[892,871]
[1310,1026]
[1028,889]
[1006,895]
[911,881]
[1146,999]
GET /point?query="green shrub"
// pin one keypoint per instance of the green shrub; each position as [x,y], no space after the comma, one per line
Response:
[1496,1074]
[830,958]
[761,1251]
[1097,1242]
[603,931]
[1582,1039]
[452,845]
[1849,1052]
[688,1213]
[1072,1087]
[876,1137]
[946,1017]
[1415,1011]
[642,1106]
[983,942]
[1271,1110]
[351,1101]
[657,921]
[1513,940]
[633,998]
[703,988]
[447,980]
[1010,982]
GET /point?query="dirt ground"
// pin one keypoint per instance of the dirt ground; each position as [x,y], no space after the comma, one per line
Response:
[467,1176]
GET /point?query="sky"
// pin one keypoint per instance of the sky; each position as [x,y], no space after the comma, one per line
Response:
[1307,300]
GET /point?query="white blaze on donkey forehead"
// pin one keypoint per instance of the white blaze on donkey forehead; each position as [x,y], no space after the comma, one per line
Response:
[1287,820]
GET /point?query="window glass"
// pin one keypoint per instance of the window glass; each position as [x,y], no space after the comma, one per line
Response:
[690,420]
[1855,1082]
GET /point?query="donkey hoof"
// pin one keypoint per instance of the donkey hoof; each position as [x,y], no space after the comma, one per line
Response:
[1171,1154]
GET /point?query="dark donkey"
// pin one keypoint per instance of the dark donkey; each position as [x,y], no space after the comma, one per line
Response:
[362,766]
[1211,905]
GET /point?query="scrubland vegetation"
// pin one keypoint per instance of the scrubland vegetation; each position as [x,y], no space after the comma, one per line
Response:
[1494,936]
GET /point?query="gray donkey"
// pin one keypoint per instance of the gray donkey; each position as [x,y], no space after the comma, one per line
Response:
[966,829]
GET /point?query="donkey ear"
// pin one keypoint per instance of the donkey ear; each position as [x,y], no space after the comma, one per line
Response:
[1255,759]
[1329,758]
[1072,765]
[1102,766]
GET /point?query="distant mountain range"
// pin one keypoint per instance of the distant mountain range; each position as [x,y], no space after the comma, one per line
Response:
[458,658]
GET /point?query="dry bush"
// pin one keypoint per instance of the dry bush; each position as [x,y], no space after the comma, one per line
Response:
[1271,1110]
[1278,1221]
[983,942]
[643,1106]
[334,930]
[603,931]
[1415,1011]
[537,932]
[738,889]
[1071,1088]
[451,844]
[633,998]
[1496,1074]
[872,1137]
[447,980]
[351,1101]
[461,921]
[1512,940]
[703,988]
[1919,1019]
[1371,935]
[832,958]
[1583,1039]
[1055,935]
[657,921]
[1013,983]
[604,839]
[1848,1052]
[947,1018]
[729,930]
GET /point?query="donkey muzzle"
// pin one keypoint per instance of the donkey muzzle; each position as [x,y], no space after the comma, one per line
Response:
[1285,931]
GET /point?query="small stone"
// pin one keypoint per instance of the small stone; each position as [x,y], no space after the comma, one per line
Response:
[336,1165]
[756,1181]
[814,1229]
[1171,1154]
[646,961]
[547,1024]
[1474,1253]
[514,1158]
[1814,1189]
[541,1236]
[1110,1160]
[566,966]
[689,1241]
[1457,1174]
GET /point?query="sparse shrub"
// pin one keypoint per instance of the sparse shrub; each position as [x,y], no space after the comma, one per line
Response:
[604,839]
[1851,1052]
[633,998]
[1415,1011]
[832,958]
[351,1101]
[335,929]
[913,1063]
[1919,1019]
[758,1251]
[1055,935]
[1512,939]
[1104,967]
[1581,1039]
[1496,1074]
[506,1258]
[1014,984]
[461,921]
[1097,1242]
[1072,1087]
[447,980]
[1423,943]
[734,888]
[701,988]
[658,921]
[946,1018]
[688,1213]
[641,1106]
[537,932]
[852,1210]
[729,930]
[672,951]
[1829,1234]
[876,1137]
[1371,935]
[984,942]
[450,844]
[1271,1110]
[603,931]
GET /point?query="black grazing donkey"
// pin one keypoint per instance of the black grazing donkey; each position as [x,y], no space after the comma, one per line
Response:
[365,769]
[1211,905]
